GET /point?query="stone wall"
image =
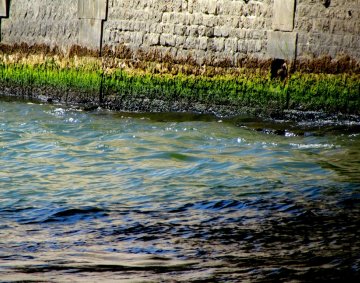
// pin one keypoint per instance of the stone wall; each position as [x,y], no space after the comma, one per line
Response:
[206,30]
[328,28]
[50,22]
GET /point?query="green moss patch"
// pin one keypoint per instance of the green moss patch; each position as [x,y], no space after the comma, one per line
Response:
[320,92]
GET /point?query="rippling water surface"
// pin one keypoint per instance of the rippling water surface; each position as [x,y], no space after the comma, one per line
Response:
[89,197]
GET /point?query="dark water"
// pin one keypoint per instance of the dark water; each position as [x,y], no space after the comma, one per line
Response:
[105,197]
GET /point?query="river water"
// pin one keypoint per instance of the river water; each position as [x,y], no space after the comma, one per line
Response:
[119,197]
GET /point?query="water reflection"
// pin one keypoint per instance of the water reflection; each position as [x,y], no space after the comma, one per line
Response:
[104,196]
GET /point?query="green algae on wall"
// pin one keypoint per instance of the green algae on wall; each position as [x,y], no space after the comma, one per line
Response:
[254,90]
[49,76]
[329,93]
[326,92]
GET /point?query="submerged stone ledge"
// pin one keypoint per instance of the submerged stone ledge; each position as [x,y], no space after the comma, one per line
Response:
[117,81]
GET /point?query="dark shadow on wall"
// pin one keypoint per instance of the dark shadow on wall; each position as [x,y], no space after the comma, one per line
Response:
[8,8]
[278,69]
[102,29]
[101,91]
[327,3]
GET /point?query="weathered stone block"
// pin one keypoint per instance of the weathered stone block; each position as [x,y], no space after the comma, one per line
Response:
[180,40]
[137,38]
[282,45]
[217,31]
[189,19]
[216,44]
[168,28]
[89,33]
[153,39]
[224,31]
[203,43]
[208,6]
[209,20]
[156,28]
[92,9]
[231,44]
[258,46]
[165,17]
[180,30]
[3,8]
[139,26]
[190,43]
[205,31]
[198,19]
[219,44]
[167,40]
[250,46]
[193,31]
[283,15]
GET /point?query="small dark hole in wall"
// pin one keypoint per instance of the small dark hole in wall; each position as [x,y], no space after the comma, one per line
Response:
[278,69]
[327,3]
[349,13]
[246,1]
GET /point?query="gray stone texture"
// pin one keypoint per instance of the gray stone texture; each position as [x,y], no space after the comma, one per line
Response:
[91,14]
[282,45]
[283,15]
[89,33]
[92,9]
[332,31]
[201,29]
[206,30]
[50,22]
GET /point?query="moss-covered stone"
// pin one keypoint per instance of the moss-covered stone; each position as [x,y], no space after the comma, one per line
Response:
[154,86]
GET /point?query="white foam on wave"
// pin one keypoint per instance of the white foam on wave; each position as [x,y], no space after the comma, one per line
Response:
[313,146]
[72,120]
[57,112]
